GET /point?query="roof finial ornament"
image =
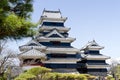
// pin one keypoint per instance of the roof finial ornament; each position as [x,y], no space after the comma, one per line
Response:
[88,41]
[43,12]
[44,9]
[94,40]
[60,12]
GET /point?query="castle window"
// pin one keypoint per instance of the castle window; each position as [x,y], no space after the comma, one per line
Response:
[52,24]
[61,55]
[94,52]
[58,55]
[56,43]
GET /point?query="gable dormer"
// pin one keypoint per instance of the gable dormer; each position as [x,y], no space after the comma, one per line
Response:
[54,33]
[32,45]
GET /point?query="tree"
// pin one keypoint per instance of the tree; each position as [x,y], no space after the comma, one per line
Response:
[39,72]
[5,56]
[15,27]
[7,64]
[14,24]
[25,76]
[115,69]
[36,72]
[15,19]
[21,8]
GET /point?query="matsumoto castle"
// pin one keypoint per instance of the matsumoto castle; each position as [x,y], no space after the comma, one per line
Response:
[52,48]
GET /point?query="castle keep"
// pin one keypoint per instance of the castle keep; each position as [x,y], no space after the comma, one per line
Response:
[52,48]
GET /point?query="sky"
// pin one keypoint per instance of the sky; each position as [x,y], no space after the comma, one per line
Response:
[88,20]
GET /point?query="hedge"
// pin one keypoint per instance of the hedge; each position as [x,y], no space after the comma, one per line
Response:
[63,76]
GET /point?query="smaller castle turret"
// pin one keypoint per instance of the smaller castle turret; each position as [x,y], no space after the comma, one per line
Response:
[92,62]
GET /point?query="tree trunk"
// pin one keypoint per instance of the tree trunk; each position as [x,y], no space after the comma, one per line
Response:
[1,74]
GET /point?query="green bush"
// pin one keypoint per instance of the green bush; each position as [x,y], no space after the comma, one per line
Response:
[42,73]
[89,77]
[110,77]
[2,78]
[49,76]
[38,70]
[70,76]
[80,77]
[20,78]
[25,76]
[63,76]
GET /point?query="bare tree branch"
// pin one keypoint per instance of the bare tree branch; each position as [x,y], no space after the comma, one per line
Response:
[2,45]
[5,57]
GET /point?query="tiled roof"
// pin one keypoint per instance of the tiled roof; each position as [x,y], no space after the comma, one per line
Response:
[54,32]
[33,53]
[55,46]
[92,44]
[97,56]
[33,42]
[96,63]
[52,14]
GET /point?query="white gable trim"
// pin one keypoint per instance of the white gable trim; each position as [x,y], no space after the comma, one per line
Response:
[35,42]
[54,32]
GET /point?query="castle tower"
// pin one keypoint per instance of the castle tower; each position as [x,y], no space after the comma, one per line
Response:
[61,56]
[92,62]
[53,43]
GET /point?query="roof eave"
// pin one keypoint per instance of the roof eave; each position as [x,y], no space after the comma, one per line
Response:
[53,19]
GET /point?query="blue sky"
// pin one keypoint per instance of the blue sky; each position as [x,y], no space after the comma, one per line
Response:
[88,20]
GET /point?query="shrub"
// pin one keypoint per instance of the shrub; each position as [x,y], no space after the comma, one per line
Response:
[20,78]
[89,77]
[38,70]
[70,77]
[2,78]
[110,77]
[63,76]
[49,76]
[80,77]
[25,76]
